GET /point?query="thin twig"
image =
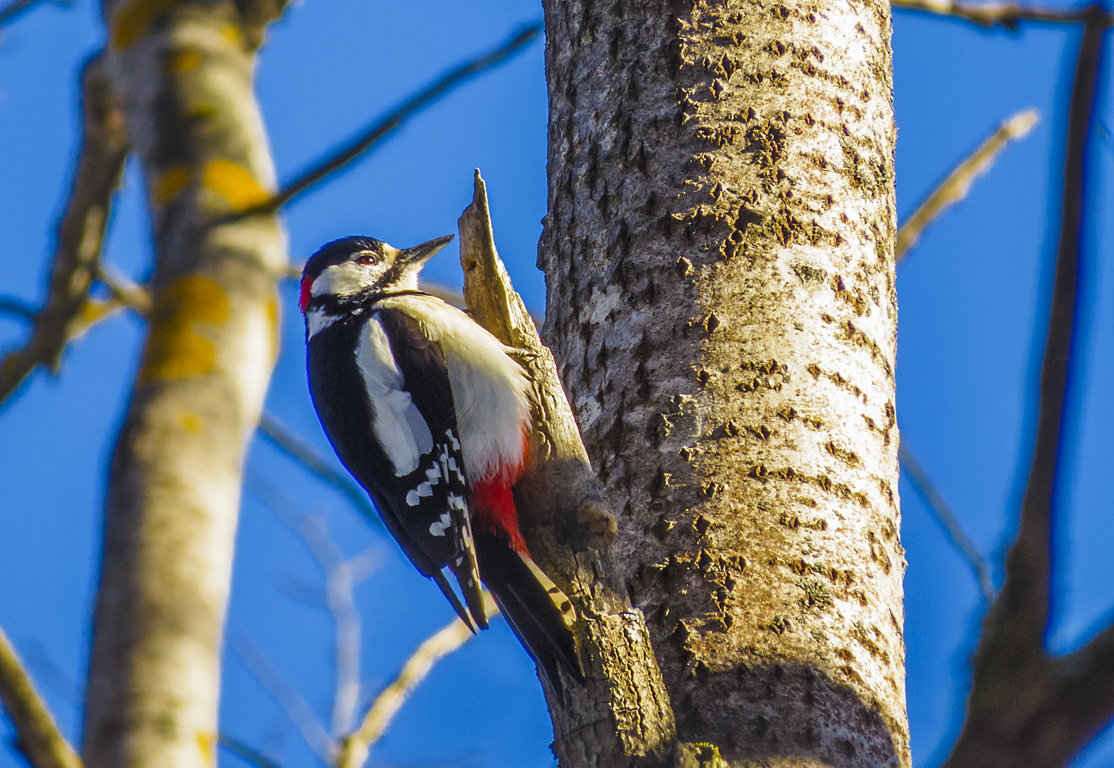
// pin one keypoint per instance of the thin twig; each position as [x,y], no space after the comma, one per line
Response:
[14,9]
[38,737]
[245,752]
[386,125]
[341,576]
[80,233]
[948,520]
[354,749]
[292,703]
[293,446]
[1006,15]
[9,305]
[128,293]
[958,183]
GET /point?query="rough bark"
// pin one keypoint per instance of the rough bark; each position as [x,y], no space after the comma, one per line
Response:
[184,71]
[718,252]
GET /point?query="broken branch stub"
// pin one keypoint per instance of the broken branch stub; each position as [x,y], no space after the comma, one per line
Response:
[568,527]
[558,488]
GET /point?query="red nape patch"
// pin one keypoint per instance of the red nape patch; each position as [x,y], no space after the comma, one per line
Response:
[303,300]
[494,510]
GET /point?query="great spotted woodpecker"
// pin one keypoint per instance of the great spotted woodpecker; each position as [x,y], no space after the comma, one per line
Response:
[428,412]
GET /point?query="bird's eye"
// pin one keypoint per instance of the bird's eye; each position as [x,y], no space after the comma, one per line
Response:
[367,257]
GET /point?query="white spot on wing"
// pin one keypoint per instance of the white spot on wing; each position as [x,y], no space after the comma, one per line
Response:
[438,528]
[398,424]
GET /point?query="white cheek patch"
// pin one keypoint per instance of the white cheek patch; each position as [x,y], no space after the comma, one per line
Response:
[344,279]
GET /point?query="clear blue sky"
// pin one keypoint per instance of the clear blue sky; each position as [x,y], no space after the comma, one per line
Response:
[969,294]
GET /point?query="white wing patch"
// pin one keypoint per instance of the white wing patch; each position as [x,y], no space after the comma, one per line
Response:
[398,423]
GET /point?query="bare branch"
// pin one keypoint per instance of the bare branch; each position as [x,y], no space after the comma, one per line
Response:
[386,125]
[1007,15]
[958,183]
[9,305]
[256,16]
[38,736]
[296,448]
[948,520]
[341,577]
[347,642]
[1025,593]
[354,749]
[287,697]
[14,9]
[1082,704]
[123,290]
[1024,706]
[80,232]
[245,752]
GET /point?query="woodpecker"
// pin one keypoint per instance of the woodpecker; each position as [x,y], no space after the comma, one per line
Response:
[432,417]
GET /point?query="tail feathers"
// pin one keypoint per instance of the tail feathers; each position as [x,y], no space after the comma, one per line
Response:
[465,567]
[540,614]
[447,591]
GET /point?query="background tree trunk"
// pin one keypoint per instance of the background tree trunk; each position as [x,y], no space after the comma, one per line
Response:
[184,73]
[721,304]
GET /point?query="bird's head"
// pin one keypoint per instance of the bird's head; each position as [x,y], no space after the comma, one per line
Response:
[357,266]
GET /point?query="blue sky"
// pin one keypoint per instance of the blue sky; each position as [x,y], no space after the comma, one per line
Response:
[970,332]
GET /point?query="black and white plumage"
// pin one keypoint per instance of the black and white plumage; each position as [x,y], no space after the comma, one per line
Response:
[431,416]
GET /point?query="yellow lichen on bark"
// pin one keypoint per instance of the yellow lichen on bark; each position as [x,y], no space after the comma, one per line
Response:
[177,345]
[131,20]
[207,743]
[191,422]
[184,61]
[273,323]
[170,184]
[234,183]
[232,33]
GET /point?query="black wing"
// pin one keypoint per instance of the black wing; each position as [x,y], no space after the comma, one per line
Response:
[426,509]
[426,378]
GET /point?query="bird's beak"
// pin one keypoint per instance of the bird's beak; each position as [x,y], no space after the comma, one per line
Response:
[419,254]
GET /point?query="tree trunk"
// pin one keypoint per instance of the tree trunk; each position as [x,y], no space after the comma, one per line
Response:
[184,72]
[718,251]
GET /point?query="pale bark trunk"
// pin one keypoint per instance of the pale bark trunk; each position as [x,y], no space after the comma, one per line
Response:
[184,73]
[718,250]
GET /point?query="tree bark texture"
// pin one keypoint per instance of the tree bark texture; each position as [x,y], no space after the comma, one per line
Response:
[718,253]
[184,71]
